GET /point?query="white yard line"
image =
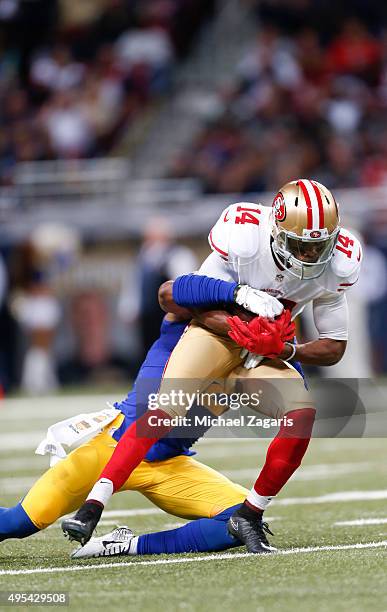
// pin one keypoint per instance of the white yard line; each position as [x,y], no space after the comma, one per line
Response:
[307,472]
[55,407]
[206,447]
[362,522]
[28,441]
[311,472]
[332,470]
[16,485]
[331,498]
[31,463]
[133,512]
[211,557]
[12,441]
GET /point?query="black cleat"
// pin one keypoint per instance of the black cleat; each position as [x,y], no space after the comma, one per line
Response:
[81,526]
[247,526]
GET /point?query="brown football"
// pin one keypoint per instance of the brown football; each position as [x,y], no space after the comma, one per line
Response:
[241,312]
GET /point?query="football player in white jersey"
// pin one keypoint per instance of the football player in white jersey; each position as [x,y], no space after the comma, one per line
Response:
[264,260]
[277,250]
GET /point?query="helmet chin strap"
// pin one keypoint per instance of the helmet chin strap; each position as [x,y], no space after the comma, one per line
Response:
[286,264]
[281,265]
[283,259]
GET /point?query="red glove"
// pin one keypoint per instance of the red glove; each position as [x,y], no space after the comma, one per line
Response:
[285,326]
[260,336]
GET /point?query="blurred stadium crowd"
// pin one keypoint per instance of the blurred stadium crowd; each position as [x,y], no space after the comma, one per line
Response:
[73,74]
[309,98]
[311,93]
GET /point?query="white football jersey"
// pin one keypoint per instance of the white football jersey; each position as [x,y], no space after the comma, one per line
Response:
[241,244]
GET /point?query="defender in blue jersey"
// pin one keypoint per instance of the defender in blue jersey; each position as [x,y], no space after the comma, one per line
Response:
[169,477]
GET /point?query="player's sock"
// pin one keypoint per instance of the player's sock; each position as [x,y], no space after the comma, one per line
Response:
[202,535]
[283,457]
[101,492]
[15,523]
[129,453]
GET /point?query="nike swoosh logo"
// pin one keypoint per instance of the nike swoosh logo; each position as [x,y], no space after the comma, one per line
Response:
[109,543]
[359,256]
[225,218]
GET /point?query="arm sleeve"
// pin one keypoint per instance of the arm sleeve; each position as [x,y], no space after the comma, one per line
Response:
[330,314]
[196,290]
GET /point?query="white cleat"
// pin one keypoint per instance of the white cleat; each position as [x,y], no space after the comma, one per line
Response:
[115,543]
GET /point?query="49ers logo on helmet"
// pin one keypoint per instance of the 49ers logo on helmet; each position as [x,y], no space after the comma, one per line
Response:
[315,234]
[279,207]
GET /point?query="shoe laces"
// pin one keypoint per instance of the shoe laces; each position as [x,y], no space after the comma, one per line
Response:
[86,512]
[266,528]
[263,528]
[123,533]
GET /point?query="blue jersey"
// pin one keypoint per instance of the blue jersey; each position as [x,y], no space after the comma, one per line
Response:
[148,381]
[149,377]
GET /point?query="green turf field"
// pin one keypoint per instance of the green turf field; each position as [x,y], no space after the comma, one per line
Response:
[337,499]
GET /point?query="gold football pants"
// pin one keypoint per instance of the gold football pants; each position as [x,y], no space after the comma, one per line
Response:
[180,485]
[204,362]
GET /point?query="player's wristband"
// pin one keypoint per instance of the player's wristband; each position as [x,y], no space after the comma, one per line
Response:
[192,290]
[294,348]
